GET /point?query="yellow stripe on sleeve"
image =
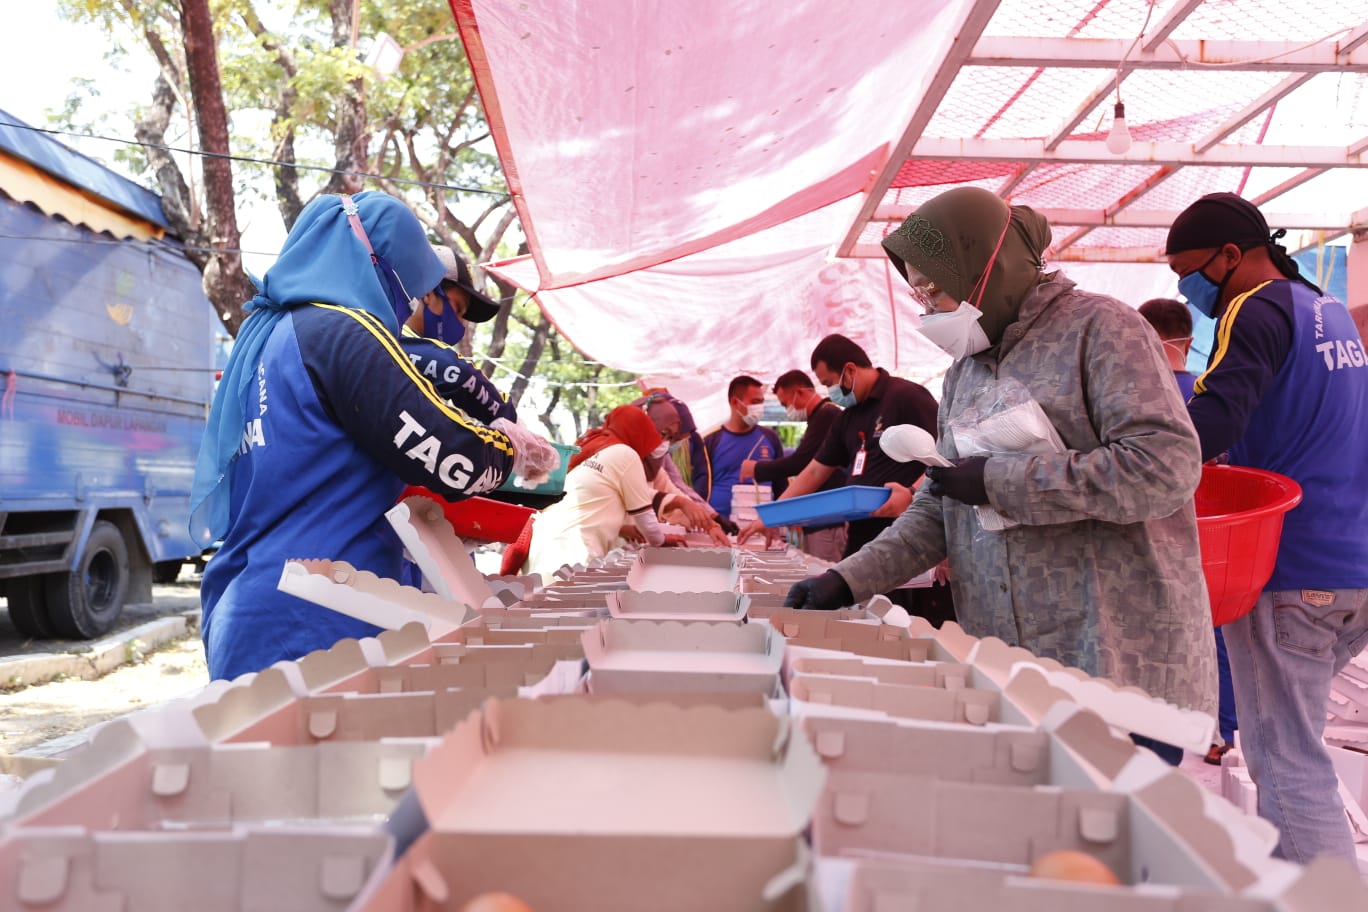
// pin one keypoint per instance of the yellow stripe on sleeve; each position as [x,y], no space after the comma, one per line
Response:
[1223,330]
[390,344]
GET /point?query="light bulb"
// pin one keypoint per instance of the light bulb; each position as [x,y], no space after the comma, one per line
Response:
[1119,139]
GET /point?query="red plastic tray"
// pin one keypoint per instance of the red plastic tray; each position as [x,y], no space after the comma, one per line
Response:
[479,517]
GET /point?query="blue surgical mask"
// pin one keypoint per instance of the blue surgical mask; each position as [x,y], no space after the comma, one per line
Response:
[445,326]
[1200,291]
[838,394]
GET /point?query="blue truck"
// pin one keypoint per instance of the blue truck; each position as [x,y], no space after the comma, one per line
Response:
[106,375]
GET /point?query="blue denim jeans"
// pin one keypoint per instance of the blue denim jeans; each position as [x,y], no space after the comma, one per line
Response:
[1227,717]
[1283,655]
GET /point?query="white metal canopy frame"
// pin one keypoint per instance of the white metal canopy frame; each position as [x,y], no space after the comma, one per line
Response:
[704,186]
[1261,97]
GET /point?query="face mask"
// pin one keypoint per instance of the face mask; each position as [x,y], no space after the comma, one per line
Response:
[660,451]
[445,326]
[753,414]
[838,394]
[1201,292]
[795,414]
[956,333]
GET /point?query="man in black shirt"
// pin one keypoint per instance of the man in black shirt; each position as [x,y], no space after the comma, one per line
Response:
[873,401]
[800,400]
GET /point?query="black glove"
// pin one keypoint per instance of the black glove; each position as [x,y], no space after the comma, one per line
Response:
[962,482]
[727,525]
[820,593]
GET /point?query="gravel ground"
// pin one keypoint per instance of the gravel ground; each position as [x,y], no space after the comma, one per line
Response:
[31,717]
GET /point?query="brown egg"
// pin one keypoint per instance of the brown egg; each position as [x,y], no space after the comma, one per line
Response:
[1079,867]
[496,902]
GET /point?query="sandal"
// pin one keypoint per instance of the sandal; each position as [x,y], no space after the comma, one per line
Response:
[1216,752]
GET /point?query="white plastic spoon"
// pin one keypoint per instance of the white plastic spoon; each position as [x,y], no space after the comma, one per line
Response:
[909,443]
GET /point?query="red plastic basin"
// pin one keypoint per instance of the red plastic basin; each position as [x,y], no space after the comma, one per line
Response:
[1239,523]
[479,517]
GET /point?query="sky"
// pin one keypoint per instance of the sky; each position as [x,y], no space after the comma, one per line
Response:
[39,71]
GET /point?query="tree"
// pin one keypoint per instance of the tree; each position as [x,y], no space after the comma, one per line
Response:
[290,70]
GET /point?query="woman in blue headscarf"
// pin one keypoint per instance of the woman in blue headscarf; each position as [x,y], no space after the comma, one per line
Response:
[319,422]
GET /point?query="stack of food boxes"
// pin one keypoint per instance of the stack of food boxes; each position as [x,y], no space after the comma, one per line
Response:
[654,731]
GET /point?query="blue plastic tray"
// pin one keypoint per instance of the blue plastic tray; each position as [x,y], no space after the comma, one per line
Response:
[824,507]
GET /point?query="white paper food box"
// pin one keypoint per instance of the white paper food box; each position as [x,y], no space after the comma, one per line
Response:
[622,807]
[644,656]
[684,570]
[245,869]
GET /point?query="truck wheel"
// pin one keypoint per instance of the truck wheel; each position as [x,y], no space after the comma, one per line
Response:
[28,607]
[86,602]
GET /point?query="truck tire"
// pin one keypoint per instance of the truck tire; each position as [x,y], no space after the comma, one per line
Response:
[28,607]
[86,602]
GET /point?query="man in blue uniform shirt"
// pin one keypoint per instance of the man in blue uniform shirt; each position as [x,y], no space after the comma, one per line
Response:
[1286,390]
[717,466]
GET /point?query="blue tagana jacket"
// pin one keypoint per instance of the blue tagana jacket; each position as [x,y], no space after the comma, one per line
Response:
[320,421]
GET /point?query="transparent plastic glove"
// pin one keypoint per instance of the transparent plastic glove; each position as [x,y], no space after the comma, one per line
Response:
[534,457]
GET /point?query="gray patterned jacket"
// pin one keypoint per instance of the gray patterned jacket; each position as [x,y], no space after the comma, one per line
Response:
[1104,573]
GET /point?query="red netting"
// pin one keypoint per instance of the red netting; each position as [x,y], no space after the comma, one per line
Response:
[1262,180]
[1040,106]
[1123,237]
[1330,109]
[925,172]
[874,232]
[1077,18]
[1271,20]
[1165,105]
[975,94]
[1074,186]
[1344,191]
[1185,185]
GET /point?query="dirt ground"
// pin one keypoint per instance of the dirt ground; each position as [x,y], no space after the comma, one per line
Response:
[35,715]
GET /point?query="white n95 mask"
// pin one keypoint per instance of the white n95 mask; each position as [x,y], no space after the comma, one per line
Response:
[661,451]
[956,333]
[753,414]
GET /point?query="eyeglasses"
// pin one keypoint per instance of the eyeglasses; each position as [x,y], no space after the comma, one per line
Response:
[925,296]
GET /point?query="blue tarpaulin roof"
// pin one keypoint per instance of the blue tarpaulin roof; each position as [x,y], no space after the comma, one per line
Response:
[66,164]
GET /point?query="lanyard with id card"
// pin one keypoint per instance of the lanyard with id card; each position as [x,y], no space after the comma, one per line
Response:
[857,467]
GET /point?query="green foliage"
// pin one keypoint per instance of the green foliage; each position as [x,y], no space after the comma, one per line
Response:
[290,86]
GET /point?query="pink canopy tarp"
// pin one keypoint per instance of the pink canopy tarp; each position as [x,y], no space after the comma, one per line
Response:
[685,174]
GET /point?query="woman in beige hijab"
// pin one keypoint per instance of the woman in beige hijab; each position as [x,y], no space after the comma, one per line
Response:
[1102,569]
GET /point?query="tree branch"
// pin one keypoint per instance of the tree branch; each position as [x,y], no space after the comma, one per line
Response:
[177,205]
[529,362]
[286,178]
[225,282]
[546,415]
[349,137]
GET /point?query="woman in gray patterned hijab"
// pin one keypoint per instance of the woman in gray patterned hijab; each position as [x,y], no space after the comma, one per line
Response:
[1102,571]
